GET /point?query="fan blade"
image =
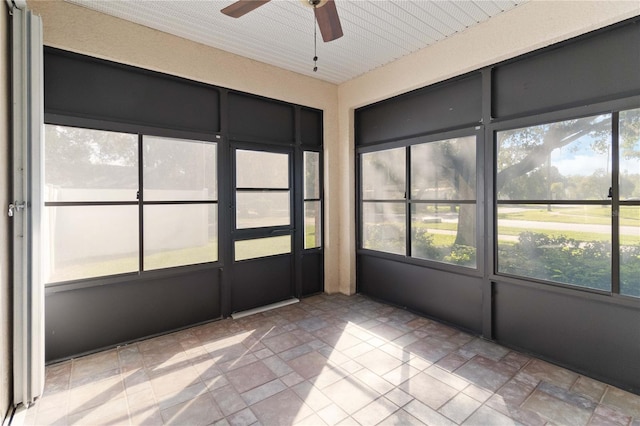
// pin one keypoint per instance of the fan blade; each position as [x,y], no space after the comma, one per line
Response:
[242,7]
[328,21]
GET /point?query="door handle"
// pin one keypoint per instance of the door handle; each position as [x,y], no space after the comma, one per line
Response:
[16,206]
[281,232]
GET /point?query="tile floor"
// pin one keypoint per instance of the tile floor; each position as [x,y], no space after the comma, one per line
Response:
[326,360]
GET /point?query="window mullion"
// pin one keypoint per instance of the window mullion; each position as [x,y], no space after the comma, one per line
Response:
[140,197]
[615,203]
[407,199]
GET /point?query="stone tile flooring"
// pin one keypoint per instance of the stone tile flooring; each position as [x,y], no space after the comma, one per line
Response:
[326,360]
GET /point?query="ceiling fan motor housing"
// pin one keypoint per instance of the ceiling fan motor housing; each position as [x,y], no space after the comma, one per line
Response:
[325,13]
[314,3]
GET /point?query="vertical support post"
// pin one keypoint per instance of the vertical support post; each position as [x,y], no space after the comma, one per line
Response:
[486,207]
[28,113]
[615,202]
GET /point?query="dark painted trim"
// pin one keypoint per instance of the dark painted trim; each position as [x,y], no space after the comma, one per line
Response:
[570,74]
[86,87]
[298,203]
[425,263]
[421,290]
[486,188]
[476,131]
[252,276]
[89,203]
[554,202]
[312,133]
[138,286]
[225,212]
[591,336]
[255,118]
[179,202]
[590,331]
[128,342]
[420,139]
[615,204]
[132,128]
[130,277]
[82,320]
[408,201]
[566,289]
[452,104]
[247,189]
[140,196]
[587,110]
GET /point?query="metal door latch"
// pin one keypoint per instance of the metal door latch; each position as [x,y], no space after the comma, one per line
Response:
[15,206]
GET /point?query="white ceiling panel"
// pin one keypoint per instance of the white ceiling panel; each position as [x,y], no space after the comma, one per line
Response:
[281,32]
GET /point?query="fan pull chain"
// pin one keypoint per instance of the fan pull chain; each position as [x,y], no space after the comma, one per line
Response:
[315,42]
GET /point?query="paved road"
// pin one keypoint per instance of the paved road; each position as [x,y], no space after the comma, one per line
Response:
[558,226]
[553,226]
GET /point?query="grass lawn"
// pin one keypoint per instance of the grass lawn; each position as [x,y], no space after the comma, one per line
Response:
[166,259]
[592,215]
[127,264]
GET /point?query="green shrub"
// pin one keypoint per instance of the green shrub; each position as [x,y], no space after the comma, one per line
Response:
[422,245]
[462,255]
[630,270]
[569,261]
[384,237]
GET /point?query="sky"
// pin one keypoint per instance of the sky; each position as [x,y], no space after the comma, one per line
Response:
[583,161]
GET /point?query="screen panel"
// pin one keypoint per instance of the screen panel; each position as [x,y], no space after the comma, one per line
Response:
[81,86]
[571,75]
[444,106]
[311,127]
[260,119]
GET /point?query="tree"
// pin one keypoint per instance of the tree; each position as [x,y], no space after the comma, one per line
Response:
[90,160]
[630,134]
[522,153]
[178,165]
[524,170]
[455,163]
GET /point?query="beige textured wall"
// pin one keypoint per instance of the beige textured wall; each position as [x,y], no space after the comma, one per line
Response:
[78,29]
[5,190]
[530,26]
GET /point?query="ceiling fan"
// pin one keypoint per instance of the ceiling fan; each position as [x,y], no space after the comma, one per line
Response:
[325,11]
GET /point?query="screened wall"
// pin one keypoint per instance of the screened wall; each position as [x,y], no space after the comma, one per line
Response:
[170,202]
[506,201]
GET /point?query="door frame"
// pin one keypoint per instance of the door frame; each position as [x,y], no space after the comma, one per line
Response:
[262,232]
